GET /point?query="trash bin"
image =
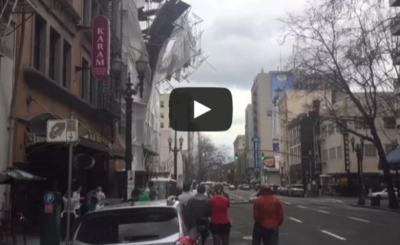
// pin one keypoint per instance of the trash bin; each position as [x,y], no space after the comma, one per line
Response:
[375,201]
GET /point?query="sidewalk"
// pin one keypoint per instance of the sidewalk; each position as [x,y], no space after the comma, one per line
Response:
[352,201]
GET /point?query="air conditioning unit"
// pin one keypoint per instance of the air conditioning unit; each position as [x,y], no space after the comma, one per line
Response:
[31,139]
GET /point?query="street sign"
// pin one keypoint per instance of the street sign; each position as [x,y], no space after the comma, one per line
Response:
[49,198]
[62,130]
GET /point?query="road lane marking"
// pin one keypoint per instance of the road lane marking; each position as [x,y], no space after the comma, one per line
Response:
[323,211]
[297,220]
[358,219]
[334,235]
[288,203]
[302,207]
[248,237]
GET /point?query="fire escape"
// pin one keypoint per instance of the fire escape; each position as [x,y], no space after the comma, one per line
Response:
[8,9]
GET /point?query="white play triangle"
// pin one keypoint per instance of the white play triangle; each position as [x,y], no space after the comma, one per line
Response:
[200,109]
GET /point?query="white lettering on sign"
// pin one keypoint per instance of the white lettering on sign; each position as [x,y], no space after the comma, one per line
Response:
[101,47]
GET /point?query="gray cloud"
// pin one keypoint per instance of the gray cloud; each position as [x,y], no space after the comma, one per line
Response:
[238,49]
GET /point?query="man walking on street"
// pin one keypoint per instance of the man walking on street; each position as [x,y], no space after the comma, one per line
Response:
[268,216]
[200,208]
[186,195]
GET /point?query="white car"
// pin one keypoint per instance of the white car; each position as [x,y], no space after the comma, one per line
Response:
[232,187]
[382,194]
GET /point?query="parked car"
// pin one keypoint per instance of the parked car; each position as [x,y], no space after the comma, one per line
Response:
[296,190]
[245,187]
[232,188]
[144,223]
[382,194]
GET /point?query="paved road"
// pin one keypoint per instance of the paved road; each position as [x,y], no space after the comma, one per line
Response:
[319,221]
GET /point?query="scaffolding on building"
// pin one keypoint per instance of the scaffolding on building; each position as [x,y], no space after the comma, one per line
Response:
[10,8]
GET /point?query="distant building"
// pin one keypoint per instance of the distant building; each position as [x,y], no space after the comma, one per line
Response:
[240,163]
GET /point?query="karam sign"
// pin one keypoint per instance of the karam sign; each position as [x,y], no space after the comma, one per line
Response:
[100,47]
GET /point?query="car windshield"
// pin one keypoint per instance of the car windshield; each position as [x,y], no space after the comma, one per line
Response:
[128,225]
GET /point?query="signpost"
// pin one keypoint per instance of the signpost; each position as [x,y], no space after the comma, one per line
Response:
[63,131]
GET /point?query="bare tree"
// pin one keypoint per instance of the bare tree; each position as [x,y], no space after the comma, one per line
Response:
[209,157]
[346,46]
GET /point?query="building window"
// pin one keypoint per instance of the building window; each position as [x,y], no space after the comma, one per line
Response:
[389,122]
[39,38]
[93,90]
[162,115]
[86,8]
[162,125]
[66,78]
[369,150]
[324,157]
[339,152]
[85,79]
[53,61]
[332,153]
[359,123]
[162,104]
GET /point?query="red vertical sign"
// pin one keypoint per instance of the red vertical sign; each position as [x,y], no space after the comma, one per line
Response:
[100,47]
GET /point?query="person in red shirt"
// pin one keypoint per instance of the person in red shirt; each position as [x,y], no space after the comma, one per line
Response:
[220,225]
[268,217]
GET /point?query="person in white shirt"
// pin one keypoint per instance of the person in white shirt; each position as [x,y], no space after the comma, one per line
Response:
[186,195]
[100,194]
[71,211]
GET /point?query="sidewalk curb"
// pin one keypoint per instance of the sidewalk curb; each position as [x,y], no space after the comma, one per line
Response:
[376,208]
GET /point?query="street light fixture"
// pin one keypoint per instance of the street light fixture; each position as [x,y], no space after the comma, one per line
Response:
[116,67]
[141,66]
[358,148]
[175,150]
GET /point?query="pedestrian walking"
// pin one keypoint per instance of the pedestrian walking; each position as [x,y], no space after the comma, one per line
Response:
[100,194]
[72,212]
[186,195]
[152,191]
[220,225]
[200,208]
[268,217]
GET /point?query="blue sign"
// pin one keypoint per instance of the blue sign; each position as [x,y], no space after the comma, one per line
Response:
[256,142]
[49,198]
[280,81]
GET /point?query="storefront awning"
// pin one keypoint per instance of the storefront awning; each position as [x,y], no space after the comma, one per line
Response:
[393,159]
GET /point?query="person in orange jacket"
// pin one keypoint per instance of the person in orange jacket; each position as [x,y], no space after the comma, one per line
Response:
[268,217]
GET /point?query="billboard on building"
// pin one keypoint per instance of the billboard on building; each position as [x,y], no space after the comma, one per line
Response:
[100,47]
[280,81]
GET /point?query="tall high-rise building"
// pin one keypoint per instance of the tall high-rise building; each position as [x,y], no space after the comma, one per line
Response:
[266,89]
[249,134]
[239,148]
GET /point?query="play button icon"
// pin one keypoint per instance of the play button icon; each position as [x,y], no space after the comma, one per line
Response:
[200,109]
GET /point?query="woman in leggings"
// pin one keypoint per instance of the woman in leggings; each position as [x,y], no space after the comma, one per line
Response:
[220,225]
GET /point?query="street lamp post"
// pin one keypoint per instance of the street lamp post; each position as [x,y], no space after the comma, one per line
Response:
[141,66]
[359,150]
[175,150]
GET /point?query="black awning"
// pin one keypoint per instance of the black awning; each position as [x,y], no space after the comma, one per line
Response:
[82,145]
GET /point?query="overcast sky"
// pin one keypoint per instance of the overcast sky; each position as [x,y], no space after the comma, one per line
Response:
[241,37]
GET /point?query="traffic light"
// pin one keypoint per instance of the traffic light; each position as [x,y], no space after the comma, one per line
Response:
[262,156]
[235,170]
[236,157]
[222,170]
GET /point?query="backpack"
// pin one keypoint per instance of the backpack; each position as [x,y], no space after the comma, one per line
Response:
[144,196]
